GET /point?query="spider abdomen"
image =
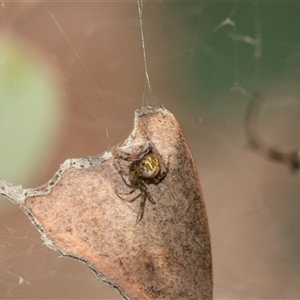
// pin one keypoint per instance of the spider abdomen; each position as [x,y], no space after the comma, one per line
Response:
[150,166]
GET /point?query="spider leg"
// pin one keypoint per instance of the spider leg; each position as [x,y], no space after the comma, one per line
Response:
[145,190]
[160,177]
[120,171]
[131,192]
[128,200]
[141,211]
[127,184]
[150,197]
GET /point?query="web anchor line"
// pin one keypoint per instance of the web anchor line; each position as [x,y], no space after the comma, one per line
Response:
[148,94]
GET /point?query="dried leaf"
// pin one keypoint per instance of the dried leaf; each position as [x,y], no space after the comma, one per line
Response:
[167,254]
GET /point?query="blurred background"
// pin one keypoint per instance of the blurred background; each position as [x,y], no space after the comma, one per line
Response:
[72,75]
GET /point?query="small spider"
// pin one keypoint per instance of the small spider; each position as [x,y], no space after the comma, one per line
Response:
[143,172]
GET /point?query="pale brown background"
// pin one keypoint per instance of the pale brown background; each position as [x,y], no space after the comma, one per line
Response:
[94,50]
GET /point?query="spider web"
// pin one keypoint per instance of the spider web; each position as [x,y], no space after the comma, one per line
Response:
[86,66]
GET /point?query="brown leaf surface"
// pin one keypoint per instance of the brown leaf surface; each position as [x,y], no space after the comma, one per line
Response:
[167,254]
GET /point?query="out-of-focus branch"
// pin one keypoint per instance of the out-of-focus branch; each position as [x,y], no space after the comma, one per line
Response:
[292,158]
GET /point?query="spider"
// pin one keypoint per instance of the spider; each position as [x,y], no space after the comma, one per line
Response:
[143,172]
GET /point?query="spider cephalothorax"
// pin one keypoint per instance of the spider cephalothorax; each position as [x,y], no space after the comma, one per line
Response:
[143,172]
